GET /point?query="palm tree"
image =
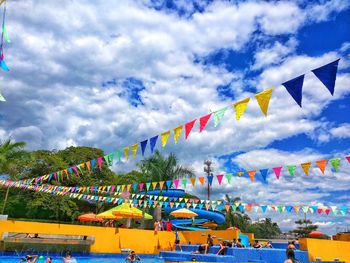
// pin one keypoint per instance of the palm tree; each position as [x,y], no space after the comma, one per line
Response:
[10,152]
[236,218]
[158,168]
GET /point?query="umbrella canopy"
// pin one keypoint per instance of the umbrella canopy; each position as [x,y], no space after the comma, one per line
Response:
[316,234]
[127,211]
[108,215]
[90,217]
[183,212]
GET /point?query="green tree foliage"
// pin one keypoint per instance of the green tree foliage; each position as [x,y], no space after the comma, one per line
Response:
[234,218]
[304,227]
[265,229]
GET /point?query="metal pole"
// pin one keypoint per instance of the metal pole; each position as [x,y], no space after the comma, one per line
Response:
[208,170]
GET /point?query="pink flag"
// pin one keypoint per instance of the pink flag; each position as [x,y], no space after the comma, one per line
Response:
[219,177]
[277,171]
[176,182]
[75,170]
[99,161]
[348,158]
[203,122]
[141,186]
[188,128]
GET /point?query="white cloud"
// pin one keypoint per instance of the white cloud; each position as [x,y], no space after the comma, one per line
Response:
[342,131]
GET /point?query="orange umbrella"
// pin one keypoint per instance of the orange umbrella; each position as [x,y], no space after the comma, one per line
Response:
[90,217]
[316,234]
[183,212]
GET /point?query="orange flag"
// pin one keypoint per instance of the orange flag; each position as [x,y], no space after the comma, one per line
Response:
[306,167]
[193,180]
[201,179]
[161,184]
[227,207]
[252,175]
[322,165]
[296,208]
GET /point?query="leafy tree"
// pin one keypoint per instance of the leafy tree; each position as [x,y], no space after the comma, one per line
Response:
[10,153]
[265,229]
[305,227]
[234,217]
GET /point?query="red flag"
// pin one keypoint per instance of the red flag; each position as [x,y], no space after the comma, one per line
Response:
[322,165]
[203,121]
[188,128]
[219,177]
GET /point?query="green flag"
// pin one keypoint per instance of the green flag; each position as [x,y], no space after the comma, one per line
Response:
[184,182]
[148,186]
[228,177]
[335,163]
[2,98]
[218,116]
[6,35]
[291,169]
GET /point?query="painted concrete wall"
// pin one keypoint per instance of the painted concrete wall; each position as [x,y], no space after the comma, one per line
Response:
[112,240]
[327,250]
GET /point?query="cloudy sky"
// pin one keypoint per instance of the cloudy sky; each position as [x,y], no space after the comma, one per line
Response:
[109,74]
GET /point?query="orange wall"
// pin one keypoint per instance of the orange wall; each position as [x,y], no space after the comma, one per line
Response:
[112,240]
[327,250]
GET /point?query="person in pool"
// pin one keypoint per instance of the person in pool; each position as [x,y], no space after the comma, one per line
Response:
[132,257]
[29,259]
[48,260]
[68,258]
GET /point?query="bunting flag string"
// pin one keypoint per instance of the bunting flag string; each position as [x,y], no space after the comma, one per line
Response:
[88,166]
[144,200]
[326,74]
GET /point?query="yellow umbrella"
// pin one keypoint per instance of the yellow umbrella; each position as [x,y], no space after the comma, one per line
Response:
[183,212]
[108,215]
[127,211]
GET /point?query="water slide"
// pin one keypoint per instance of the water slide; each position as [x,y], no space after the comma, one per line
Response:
[188,224]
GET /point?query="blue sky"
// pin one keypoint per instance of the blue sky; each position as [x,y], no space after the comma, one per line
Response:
[109,75]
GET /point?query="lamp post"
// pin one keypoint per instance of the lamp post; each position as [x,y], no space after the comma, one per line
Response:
[208,170]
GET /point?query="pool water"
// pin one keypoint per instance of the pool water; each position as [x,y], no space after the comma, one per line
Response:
[94,259]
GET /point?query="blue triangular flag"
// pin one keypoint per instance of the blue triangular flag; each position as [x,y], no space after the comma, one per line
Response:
[182,205]
[165,204]
[143,146]
[134,186]
[4,66]
[168,183]
[70,170]
[153,142]
[200,206]
[289,208]
[92,163]
[295,87]
[327,74]
[263,173]
[263,208]
[210,179]
[241,208]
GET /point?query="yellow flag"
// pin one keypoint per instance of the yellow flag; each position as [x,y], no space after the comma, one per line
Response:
[126,152]
[154,184]
[165,137]
[306,167]
[134,148]
[240,173]
[240,107]
[263,99]
[177,132]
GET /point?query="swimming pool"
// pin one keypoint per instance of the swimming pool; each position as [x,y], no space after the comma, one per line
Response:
[85,259]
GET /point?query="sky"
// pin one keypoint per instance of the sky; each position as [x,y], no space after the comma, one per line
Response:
[109,74]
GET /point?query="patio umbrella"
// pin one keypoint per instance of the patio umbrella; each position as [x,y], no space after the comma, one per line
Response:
[183,212]
[127,211]
[108,215]
[316,234]
[90,217]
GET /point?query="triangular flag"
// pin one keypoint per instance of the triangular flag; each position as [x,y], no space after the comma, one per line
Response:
[305,209]
[291,169]
[263,173]
[219,177]
[148,186]
[201,180]
[335,163]
[188,128]
[228,177]
[184,182]
[164,137]
[2,98]
[141,186]
[143,146]
[252,175]
[134,148]
[348,158]
[306,167]
[210,179]
[240,107]
[322,165]
[6,35]
[126,152]
[134,186]
[218,115]
[263,208]
[295,87]
[118,155]
[161,184]
[176,183]
[4,66]
[106,157]
[239,174]
[99,162]
[263,99]
[227,207]
[154,185]
[153,142]
[193,180]
[177,132]
[327,74]
[168,184]
[296,209]
[203,121]
[277,171]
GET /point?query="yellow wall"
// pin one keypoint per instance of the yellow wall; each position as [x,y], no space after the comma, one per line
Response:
[112,240]
[327,250]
